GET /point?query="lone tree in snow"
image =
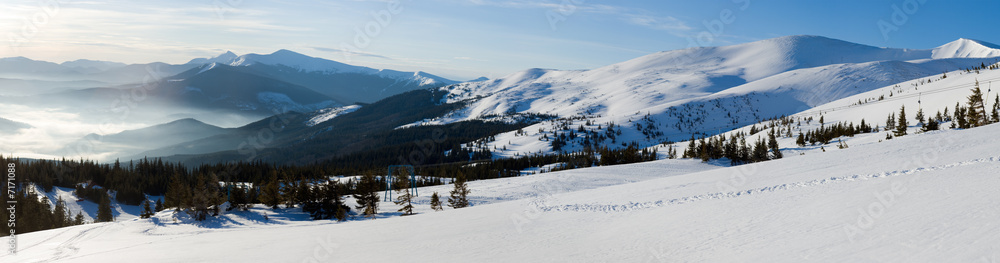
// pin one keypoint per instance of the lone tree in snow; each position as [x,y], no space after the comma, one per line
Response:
[436,202]
[147,211]
[977,109]
[903,123]
[459,195]
[367,195]
[405,197]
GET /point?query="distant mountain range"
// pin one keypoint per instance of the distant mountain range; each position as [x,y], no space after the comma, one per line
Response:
[328,109]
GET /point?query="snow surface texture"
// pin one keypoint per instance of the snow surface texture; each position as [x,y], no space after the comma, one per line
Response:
[917,198]
[702,90]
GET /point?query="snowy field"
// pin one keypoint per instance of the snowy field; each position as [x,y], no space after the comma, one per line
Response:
[927,197]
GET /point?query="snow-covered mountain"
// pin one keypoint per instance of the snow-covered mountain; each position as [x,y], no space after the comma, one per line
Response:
[703,90]
[345,83]
[966,48]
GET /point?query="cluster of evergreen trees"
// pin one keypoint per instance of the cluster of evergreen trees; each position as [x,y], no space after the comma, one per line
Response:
[973,113]
[735,148]
[34,214]
[826,133]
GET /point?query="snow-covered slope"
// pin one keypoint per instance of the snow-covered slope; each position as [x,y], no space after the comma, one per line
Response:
[327,114]
[702,90]
[920,198]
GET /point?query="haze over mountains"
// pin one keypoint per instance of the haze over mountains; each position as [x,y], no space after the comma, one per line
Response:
[666,96]
[105,97]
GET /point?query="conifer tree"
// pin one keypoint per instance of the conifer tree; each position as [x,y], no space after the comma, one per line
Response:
[960,117]
[178,194]
[920,116]
[366,195]
[436,202]
[977,109]
[61,214]
[903,123]
[270,194]
[78,220]
[206,198]
[405,197]
[801,141]
[289,191]
[159,205]
[772,143]
[104,210]
[147,211]
[996,109]
[932,125]
[459,195]
[890,123]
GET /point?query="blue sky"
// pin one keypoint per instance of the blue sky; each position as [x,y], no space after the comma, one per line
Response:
[464,39]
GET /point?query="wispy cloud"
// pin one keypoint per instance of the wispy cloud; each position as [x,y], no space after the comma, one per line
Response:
[353,53]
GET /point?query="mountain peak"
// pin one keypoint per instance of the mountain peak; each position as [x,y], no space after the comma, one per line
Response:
[967,48]
[225,58]
[286,52]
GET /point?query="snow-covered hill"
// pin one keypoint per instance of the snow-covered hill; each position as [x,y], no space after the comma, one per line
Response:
[702,90]
[919,198]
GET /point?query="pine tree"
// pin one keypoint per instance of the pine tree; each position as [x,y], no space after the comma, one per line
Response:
[903,123]
[932,125]
[104,210]
[61,214]
[289,191]
[890,123]
[78,220]
[159,205]
[996,109]
[206,198]
[178,194]
[960,117]
[366,195]
[801,141]
[772,143]
[436,202]
[147,211]
[459,195]
[270,194]
[977,109]
[405,197]
[920,116]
